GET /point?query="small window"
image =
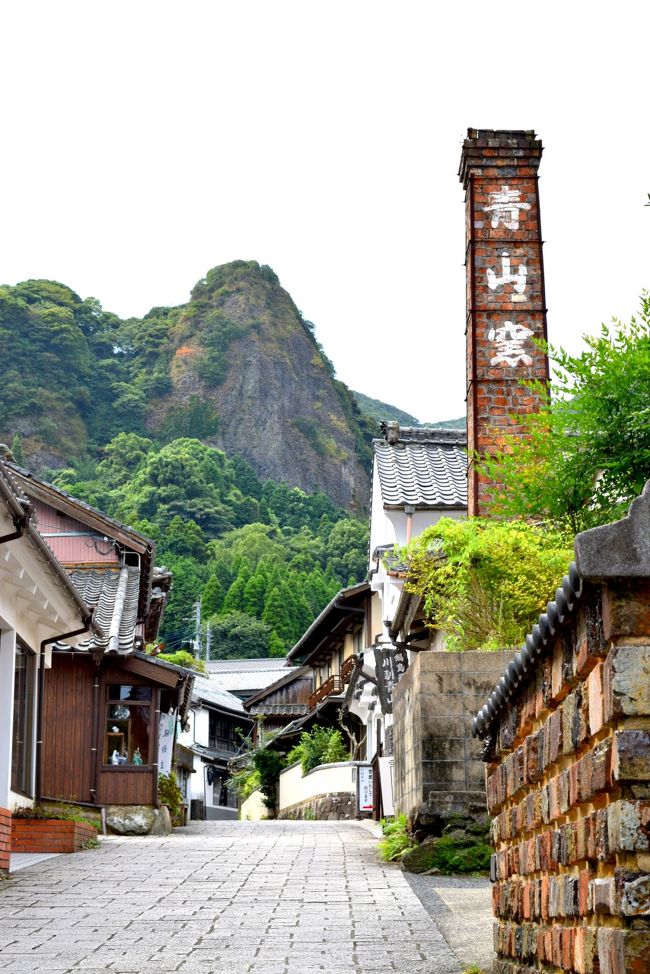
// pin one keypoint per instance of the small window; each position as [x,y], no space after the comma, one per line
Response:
[128,719]
[23,722]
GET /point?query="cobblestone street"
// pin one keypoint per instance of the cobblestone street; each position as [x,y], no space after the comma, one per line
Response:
[269,897]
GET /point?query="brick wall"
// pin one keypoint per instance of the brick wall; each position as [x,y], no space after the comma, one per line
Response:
[49,835]
[506,304]
[5,838]
[567,741]
[435,755]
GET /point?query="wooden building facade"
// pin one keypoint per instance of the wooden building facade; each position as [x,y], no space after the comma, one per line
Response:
[102,723]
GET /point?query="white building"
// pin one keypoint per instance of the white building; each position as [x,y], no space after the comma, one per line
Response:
[216,727]
[39,606]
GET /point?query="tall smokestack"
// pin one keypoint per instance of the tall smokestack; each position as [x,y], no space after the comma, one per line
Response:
[506,305]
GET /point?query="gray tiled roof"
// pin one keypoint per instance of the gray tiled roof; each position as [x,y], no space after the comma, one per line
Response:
[236,665]
[269,709]
[211,693]
[424,468]
[113,594]
[247,678]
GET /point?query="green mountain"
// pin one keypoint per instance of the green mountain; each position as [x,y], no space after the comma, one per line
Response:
[383,412]
[236,367]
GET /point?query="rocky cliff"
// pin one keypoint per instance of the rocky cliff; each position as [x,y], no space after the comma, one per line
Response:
[236,367]
[242,346]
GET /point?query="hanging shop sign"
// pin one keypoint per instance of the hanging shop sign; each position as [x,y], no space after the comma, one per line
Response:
[391,663]
[166,742]
[364,789]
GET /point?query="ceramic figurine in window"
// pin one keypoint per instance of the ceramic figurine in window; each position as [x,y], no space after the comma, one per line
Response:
[137,757]
[115,757]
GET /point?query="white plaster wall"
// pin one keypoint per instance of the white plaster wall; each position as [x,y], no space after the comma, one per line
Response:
[253,808]
[326,779]
[381,530]
[7,663]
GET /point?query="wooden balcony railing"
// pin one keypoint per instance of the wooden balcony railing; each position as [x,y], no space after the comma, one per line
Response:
[346,669]
[333,685]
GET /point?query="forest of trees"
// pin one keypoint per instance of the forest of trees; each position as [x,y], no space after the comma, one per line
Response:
[265,558]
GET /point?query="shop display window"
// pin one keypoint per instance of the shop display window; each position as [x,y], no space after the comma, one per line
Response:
[128,720]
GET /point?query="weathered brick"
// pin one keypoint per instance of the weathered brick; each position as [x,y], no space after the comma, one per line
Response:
[626,608]
[554,724]
[595,696]
[611,951]
[585,950]
[601,764]
[636,951]
[628,826]
[626,683]
[602,893]
[632,893]
[532,769]
[585,898]
[631,755]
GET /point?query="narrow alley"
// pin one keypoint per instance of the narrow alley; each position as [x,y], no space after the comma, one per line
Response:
[232,897]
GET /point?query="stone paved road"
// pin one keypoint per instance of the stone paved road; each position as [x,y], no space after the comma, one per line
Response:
[221,898]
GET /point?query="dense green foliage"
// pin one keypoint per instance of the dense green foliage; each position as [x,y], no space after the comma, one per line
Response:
[78,375]
[320,745]
[586,455]
[85,385]
[182,658]
[268,764]
[265,557]
[449,854]
[483,583]
[170,794]
[60,811]
[396,838]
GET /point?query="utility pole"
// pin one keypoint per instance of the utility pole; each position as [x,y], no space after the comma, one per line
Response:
[197,641]
[208,642]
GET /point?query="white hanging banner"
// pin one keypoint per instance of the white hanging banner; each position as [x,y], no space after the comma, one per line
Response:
[364,789]
[386,782]
[166,742]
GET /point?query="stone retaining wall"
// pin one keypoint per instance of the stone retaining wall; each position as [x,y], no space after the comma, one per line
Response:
[321,808]
[567,736]
[437,763]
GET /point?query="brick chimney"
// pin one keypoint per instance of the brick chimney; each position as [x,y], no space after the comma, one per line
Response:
[506,304]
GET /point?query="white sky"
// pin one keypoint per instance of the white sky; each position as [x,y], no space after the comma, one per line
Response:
[145,142]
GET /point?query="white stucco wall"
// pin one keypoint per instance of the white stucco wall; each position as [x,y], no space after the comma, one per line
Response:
[254,809]
[326,779]
[35,606]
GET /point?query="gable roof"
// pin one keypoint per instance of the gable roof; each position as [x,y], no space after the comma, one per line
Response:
[35,488]
[422,467]
[207,691]
[19,510]
[334,619]
[291,674]
[247,676]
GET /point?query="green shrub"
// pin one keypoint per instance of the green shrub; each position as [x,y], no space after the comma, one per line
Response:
[450,855]
[61,812]
[482,583]
[396,839]
[170,794]
[321,745]
[268,765]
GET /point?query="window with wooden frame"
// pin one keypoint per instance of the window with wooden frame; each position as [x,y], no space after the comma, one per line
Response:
[128,725]
[23,720]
